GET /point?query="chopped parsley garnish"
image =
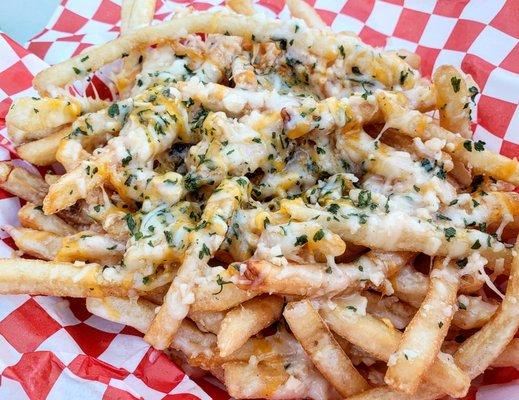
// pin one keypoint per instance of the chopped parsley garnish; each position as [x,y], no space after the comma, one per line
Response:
[476,245]
[130,222]
[301,240]
[126,160]
[318,235]
[364,199]
[241,181]
[462,263]
[479,145]
[449,233]
[403,77]
[343,54]
[474,92]
[169,238]
[113,110]
[204,252]
[220,282]
[455,83]
[427,165]
[333,208]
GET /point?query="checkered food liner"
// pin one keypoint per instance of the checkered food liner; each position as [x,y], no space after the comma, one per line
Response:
[52,348]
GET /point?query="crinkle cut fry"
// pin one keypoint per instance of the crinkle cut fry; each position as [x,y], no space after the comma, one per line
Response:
[425,333]
[263,29]
[219,209]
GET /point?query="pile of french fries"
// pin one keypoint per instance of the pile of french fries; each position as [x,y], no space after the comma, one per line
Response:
[284,207]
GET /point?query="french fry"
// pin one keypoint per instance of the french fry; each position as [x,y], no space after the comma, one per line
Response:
[319,279]
[473,312]
[18,275]
[44,245]
[195,345]
[43,151]
[245,320]
[318,342]
[243,7]
[208,321]
[413,59]
[420,125]
[22,183]
[346,222]
[453,99]
[510,355]
[219,293]
[283,371]
[422,339]
[90,247]
[135,313]
[389,309]
[381,340]
[320,42]
[31,118]
[301,9]
[482,348]
[135,14]
[32,216]
[243,73]
[219,209]
[413,234]
[426,392]
[476,353]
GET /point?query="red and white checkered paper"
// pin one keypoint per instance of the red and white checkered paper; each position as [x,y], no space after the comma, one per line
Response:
[52,348]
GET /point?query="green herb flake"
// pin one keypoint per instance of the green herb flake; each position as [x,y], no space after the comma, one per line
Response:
[476,245]
[479,145]
[301,240]
[113,110]
[455,83]
[449,233]
[204,252]
[318,235]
